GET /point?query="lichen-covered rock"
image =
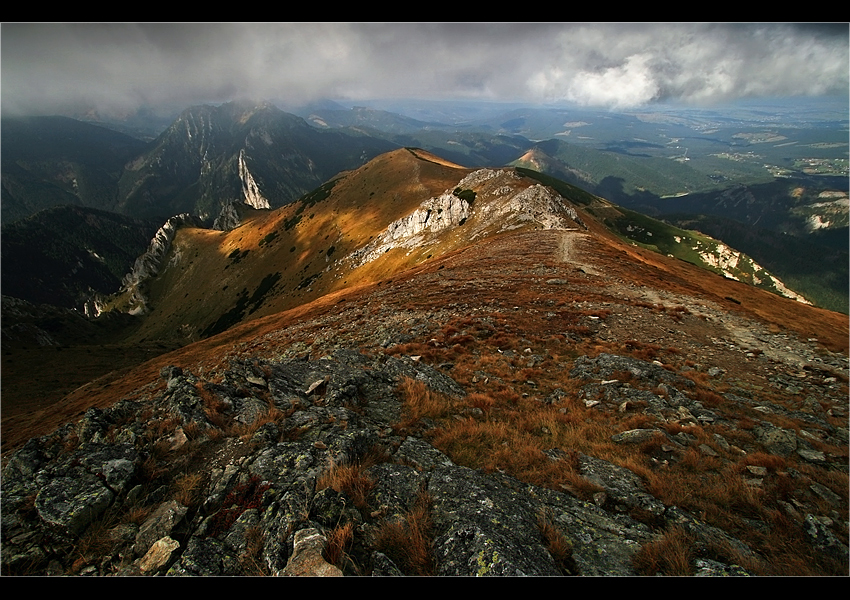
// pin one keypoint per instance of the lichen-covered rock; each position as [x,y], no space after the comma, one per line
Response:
[484,528]
[70,504]
[260,499]
[159,525]
[776,440]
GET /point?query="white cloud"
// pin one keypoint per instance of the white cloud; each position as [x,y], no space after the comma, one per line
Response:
[625,86]
[46,66]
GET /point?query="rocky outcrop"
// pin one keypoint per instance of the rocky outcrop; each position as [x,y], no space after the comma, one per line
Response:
[295,468]
[433,216]
[250,190]
[508,203]
[735,265]
[228,218]
[149,263]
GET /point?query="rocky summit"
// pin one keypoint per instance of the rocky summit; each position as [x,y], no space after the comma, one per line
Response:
[487,382]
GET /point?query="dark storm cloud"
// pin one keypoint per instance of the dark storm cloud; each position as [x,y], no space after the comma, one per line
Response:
[50,67]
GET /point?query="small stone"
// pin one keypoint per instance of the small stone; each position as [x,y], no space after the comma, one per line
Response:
[634,436]
[306,559]
[707,450]
[812,456]
[158,555]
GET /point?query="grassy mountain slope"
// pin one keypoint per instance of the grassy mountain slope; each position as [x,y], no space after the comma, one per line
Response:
[49,161]
[277,259]
[819,271]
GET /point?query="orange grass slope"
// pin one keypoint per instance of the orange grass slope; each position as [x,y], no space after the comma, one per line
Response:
[505,277]
[276,260]
[653,270]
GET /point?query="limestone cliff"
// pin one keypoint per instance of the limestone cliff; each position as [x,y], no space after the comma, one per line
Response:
[485,201]
[149,263]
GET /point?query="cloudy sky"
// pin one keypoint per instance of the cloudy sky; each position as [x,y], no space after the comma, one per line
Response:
[50,68]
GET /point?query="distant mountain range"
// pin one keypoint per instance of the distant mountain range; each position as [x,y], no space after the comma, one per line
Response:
[208,158]
[51,161]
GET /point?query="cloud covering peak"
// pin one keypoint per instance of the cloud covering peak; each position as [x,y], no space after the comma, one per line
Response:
[121,67]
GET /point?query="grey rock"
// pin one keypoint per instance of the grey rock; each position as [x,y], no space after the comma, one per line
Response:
[817,530]
[635,436]
[483,528]
[621,485]
[711,568]
[421,455]
[159,525]
[306,559]
[70,504]
[776,440]
[382,566]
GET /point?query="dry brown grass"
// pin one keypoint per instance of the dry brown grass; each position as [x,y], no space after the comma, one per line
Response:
[187,488]
[671,554]
[407,542]
[340,539]
[351,478]
[272,414]
[192,430]
[420,402]
[95,542]
[139,514]
[515,446]
[719,497]
[251,558]
[214,407]
[482,402]
[165,426]
[763,459]
[559,547]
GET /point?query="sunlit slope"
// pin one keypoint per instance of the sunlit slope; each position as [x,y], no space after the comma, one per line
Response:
[399,210]
[277,259]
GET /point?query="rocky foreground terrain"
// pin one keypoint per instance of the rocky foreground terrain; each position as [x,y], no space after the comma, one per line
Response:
[526,406]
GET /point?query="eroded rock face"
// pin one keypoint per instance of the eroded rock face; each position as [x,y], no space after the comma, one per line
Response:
[227,219]
[251,194]
[486,200]
[149,263]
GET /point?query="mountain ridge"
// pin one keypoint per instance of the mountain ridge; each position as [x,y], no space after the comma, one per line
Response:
[565,325]
[434,217]
[412,333]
